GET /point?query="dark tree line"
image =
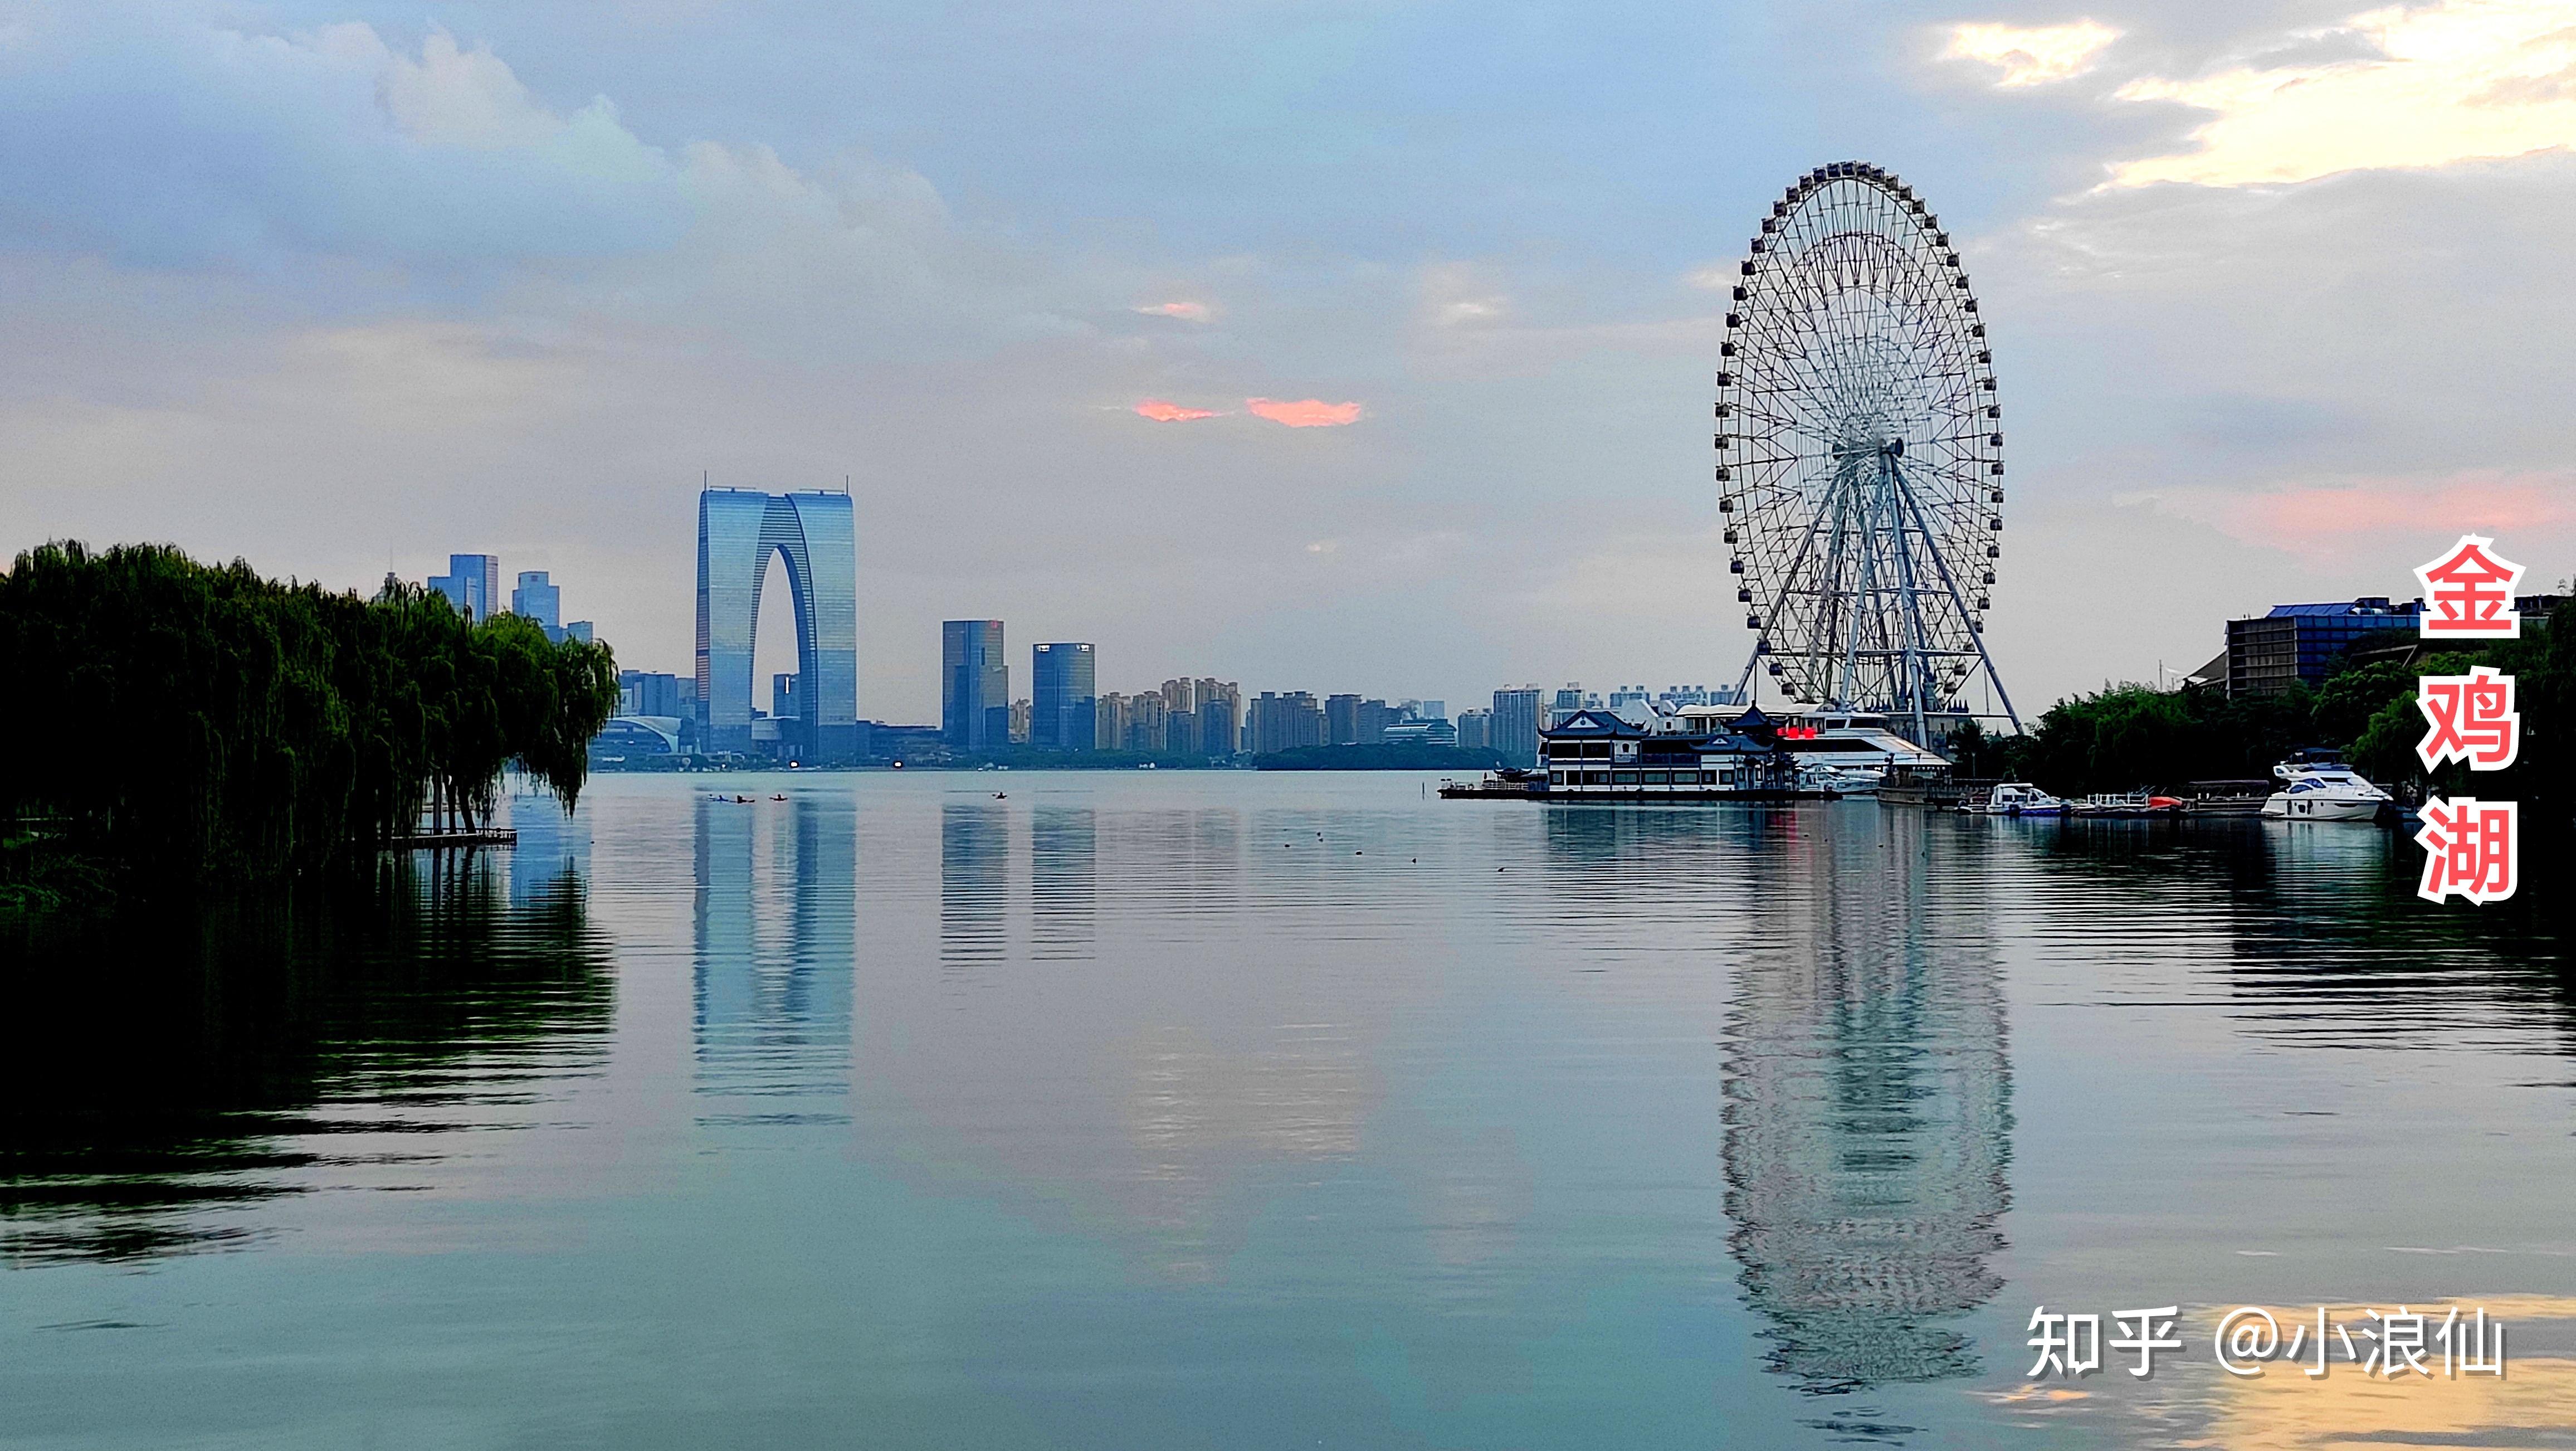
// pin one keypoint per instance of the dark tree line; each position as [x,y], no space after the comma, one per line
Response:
[173,721]
[2128,736]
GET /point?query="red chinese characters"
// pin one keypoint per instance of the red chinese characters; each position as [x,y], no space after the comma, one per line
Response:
[2472,718]
[2468,593]
[2470,846]
[2469,849]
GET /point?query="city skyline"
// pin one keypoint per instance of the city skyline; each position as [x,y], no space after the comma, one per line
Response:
[1247,364]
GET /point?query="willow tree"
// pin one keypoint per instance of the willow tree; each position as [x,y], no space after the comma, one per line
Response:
[177,720]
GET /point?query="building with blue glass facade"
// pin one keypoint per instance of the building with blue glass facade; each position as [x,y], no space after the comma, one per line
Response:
[538,598]
[816,534]
[2270,654]
[472,584]
[974,685]
[1063,703]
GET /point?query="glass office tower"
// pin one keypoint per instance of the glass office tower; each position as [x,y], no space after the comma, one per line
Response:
[472,584]
[975,685]
[1061,698]
[738,531]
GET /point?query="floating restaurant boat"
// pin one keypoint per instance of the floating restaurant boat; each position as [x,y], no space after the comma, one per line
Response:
[1654,752]
[2324,793]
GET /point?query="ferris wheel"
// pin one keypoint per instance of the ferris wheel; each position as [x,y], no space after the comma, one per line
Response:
[1860,454]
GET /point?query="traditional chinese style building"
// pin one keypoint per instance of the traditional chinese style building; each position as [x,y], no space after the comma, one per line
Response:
[1602,753]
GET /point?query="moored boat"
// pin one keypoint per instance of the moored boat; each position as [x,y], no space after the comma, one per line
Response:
[2140,805]
[2019,798]
[2324,793]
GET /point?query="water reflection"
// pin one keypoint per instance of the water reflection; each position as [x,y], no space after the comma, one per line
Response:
[974,882]
[168,1074]
[2318,927]
[1064,848]
[1868,1117]
[776,948]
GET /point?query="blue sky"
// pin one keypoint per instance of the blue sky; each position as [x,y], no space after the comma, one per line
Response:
[2278,298]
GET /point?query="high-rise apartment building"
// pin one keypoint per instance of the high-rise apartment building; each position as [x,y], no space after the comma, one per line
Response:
[738,531]
[1374,717]
[1513,726]
[643,692]
[1219,716]
[1286,722]
[1109,720]
[1341,720]
[1063,704]
[1475,730]
[472,584]
[975,685]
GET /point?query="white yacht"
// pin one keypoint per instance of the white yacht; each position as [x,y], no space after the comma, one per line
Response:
[2323,793]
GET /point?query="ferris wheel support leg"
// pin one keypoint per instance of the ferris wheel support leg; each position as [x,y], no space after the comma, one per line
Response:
[1771,612]
[1905,492]
[1915,639]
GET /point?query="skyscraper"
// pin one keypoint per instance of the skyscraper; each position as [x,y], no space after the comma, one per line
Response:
[975,685]
[1061,696]
[472,584]
[1514,727]
[738,531]
[539,600]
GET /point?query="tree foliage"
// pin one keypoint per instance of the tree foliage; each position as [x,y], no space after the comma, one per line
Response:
[2128,736]
[182,721]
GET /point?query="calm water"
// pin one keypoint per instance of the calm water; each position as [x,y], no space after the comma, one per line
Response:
[1232,1110]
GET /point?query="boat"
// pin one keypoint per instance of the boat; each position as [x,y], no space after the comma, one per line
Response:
[2020,798]
[2324,793]
[1919,786]
[2226,798]
[1825,777]
[2138,805]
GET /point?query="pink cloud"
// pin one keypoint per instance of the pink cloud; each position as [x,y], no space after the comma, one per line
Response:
[1185,311]
[2322,516]
[1305,413]
[1162,412]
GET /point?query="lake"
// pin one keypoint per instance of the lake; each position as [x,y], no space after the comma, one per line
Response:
[1201,1109]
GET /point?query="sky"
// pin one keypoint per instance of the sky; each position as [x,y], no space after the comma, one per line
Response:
[1324,346]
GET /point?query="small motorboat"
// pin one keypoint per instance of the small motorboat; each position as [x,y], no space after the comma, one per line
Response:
[2323,793]
[2020,798]
[779,797]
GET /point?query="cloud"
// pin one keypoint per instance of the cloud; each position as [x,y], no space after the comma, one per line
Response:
[173,144]
[1305,413]
[1162,412]
[1458,294]
[1185,311]
[2437,84]
[2330,517]
[2031,55]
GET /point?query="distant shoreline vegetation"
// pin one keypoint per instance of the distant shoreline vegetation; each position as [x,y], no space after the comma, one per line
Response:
[2126,736]
[178,723]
